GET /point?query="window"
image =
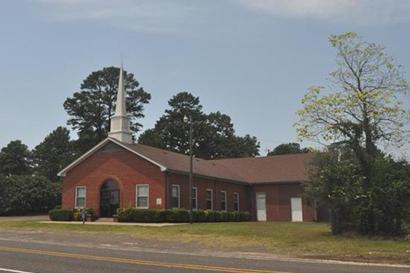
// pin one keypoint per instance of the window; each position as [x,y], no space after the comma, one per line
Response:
[223,201]
[236,201]
[209,199]
[194,198]
[175,196]
[142,196]
[80,194]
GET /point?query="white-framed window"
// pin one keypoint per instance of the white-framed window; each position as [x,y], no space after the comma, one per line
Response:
[175,196]
[80,196]
[209,199]
[194,198]
[223,201]
[236,201]
[142,196]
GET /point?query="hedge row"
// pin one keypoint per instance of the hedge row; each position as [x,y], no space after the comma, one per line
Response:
[178,215]
[70,214]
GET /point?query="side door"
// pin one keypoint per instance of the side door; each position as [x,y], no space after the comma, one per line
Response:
[261,206]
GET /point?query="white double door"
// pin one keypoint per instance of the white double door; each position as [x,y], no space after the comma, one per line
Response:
[261,206]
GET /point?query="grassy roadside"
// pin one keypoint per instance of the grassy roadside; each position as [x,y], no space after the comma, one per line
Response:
[308,240]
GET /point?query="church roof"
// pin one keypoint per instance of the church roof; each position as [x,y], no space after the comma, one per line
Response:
[271,169]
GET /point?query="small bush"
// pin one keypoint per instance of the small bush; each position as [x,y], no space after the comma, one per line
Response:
[90,214]
[210,215]
[244,216]
[61,215]
[178,216]
[233,216]
[199,216]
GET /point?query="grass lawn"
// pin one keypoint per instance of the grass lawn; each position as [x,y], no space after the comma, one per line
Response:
[308,240]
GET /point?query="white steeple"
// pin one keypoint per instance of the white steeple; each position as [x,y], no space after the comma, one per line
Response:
[120,122]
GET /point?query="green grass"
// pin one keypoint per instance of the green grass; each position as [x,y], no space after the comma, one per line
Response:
[309,240]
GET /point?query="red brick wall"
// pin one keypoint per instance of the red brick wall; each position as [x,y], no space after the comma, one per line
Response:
[278,201]
[128,170]
[118,164]
[202,184]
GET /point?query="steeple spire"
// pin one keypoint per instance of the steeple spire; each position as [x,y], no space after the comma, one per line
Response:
[120,109]
[120,122]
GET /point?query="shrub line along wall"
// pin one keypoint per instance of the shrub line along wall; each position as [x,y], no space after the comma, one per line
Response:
[179,215]
[156,215]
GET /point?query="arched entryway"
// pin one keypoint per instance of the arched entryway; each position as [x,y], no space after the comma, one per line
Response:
[109,198]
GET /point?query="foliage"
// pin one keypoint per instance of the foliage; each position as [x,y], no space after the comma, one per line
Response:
[288,148]
[15,159]
[336,181]
[90,108]
[363,105]
[89,212]
[213,133]
[61,215]
[178,215]
[361,110]
[26,194]
[53,154]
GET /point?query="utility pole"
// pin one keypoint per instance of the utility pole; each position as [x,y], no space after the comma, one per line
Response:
[191,155]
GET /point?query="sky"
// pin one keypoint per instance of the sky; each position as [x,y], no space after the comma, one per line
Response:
[250,59]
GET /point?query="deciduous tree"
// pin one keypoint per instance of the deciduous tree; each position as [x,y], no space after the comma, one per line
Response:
[361,108]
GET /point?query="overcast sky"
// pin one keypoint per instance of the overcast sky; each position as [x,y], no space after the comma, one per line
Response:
[250,59]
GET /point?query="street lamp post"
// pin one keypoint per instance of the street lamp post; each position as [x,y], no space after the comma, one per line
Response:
[188,119]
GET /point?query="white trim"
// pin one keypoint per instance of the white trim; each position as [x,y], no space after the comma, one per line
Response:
[212,198]
[179,195]
[226,201]
[236,193]
[101,144]
[85,197]
[136,196]
[196,198]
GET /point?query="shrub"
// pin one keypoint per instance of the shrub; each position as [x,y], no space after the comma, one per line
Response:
[210,215]
[244,216]
[233,216]
[217,216]
[142,215]
[224,216]
[199,216]
[178,215]
[90,213]
[61,215]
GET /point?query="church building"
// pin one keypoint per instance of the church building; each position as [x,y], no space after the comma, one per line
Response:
[118,173]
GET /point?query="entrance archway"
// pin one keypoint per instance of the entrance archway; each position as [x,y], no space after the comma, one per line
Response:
[109,198]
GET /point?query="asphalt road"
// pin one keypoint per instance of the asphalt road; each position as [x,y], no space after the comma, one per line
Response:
[34,257]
